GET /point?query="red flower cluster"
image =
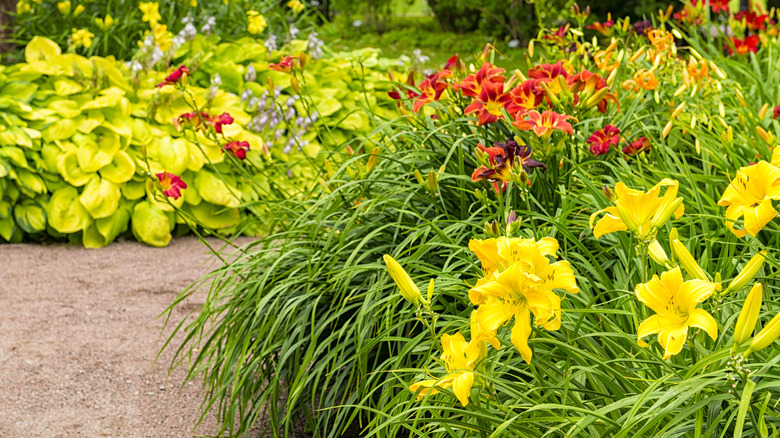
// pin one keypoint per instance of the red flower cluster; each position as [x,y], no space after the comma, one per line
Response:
[776,112]
[602,139]
[171,184]
[175,77]
[237,148]
[196,120]
[743,46]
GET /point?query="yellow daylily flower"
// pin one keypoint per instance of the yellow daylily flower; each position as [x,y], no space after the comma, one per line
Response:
[151,12]
[162,37]
[296,6]
[459,358]
[501,251]
[750,194]
[674,303]
[256,22]
[525,287]
[639,212]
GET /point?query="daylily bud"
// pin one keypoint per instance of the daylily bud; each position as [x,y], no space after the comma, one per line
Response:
[748,272]
[430,290]
[763,110]
[687,261]
[531,49]
[328,169]
[492,229]
[432,182]
[728,135]
[596,98]
[78,10]
[767,137]
[638,54]
[418,176]
[677,34]
[766,336]
[295,85]
[373,160]
[677,111]
[609,193]
[408,289]
[302,59]
[721,109]
[550,95]
[748,316]
[657,253]
[670,207]
[667,129]
[270,85]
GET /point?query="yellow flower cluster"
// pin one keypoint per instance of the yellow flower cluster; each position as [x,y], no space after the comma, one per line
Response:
[151,13]
[750,195]
[296,6]
[257,22]
[82,37]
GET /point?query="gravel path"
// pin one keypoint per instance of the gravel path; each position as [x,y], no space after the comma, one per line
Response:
[79,334]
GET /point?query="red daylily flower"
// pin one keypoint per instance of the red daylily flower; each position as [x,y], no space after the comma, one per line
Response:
[743,46]
[237,148]
[431,89]
[638,145]
[753,21]
[602,139]
[548,72]
[285,65]
[544,124]
[558,35]
[175,77]
[472,84]
[717,5]
[525,97]
[411,94]
[222,119]
[489,103]
[171,184]
[776,112]
[589,84]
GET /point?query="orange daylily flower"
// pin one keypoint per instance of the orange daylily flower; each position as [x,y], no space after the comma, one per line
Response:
[544,124]
[489,104]
[643,80]
[472,84]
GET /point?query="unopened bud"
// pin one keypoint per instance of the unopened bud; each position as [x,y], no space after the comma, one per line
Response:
[748,317]
[766,336]
[667,129]
[295,85]
[687,261]
[763,110]
[418,176]
[748,272]
[408,289]
[657,253]
[609,193]
[431,186]
[767,137]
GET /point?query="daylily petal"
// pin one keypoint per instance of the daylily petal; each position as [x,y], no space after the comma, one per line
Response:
[609,224]
[520,333]
[559,275]
[693,292]
[757,217]
[734,212]
[703,320]
[461,386]
[428,387]
[653,325]
[673,340]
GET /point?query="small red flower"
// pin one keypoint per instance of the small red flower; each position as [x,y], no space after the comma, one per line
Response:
[504,158]
[638,145]
[776,112]
[743,46]
[544,124]
[237,148]
[222,119]
[602,139]
[489,103]
[175,77]
[472,84]
[431,89]
[558,36]
[285,65]
[455,63]
[548,72]
[171,184]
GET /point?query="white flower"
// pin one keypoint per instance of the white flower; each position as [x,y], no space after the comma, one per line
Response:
[357,23]
[514,44]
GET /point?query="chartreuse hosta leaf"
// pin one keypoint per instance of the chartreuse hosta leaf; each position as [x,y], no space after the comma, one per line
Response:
[92,119]
[65,212]
[61,130]
[173,154]
[101,232]
[68,166]
[214,190]
[30,183]
[15,156]
[214,216]
[96,150]
[100,197]
[120,170]
[66,87]
[151,225]
[7,228]
[30,216]
[41,49]
[134,189]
